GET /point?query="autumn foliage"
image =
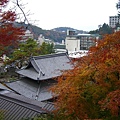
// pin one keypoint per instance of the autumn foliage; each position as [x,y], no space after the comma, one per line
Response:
[9,34]
[92,89]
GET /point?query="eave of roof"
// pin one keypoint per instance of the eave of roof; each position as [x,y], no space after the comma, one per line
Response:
[17,109]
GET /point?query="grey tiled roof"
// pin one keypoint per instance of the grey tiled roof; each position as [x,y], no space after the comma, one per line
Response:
[17,109]
[29,88]
[46,67]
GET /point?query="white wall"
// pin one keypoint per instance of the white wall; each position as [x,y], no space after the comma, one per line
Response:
[72,44]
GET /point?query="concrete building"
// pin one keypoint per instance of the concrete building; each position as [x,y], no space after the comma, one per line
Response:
[42,39]
[113,20]
[80,41]
[78,45]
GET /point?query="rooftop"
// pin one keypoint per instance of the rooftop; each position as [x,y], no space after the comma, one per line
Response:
[47,66]
[33,89]
[16,107]
[12,108]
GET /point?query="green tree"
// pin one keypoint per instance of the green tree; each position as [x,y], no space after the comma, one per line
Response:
[24,51]
[104,29]
[46,48]
[27,49]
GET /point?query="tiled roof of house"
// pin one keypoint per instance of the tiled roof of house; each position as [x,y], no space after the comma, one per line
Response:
[17,107]
[46,67]
[33,89]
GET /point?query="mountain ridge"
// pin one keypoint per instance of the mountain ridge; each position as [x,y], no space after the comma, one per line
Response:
[56,34]
[64,29]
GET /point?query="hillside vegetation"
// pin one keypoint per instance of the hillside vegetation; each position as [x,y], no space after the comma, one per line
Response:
[56,34]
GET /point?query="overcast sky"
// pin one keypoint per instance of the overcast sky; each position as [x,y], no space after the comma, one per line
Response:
[79,14]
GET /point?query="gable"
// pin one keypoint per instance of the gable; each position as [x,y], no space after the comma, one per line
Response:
[46,67]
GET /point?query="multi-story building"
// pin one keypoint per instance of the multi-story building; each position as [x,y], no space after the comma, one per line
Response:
[78,45]
[113,20]
[80,41]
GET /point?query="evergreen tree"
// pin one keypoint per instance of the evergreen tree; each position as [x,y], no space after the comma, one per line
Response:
[105,29]
[46,48]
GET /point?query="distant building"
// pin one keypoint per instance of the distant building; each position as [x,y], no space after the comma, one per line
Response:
[78,45]
[60,48]
[27,35]
[63,42]
[113,20]
[42,39]
[80,41]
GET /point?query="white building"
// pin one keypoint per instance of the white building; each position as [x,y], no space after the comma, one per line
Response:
[79,44]
[80,41]
[113,20]
[27,35]
[42,39]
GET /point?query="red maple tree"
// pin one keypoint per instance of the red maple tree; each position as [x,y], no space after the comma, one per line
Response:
[9,33]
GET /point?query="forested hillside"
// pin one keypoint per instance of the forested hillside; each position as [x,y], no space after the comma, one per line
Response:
[56,34]
[48,34]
